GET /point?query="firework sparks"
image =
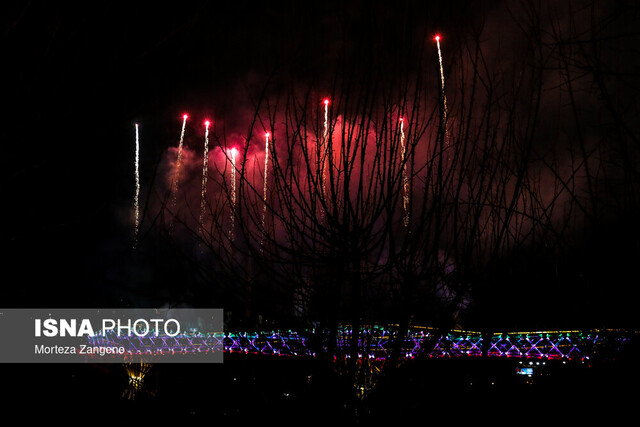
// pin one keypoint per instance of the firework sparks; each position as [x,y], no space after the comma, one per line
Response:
[405,181]
[325,146]
[136,202]
[442,92]
[326,118]
[232,153]
[205,173]
[266,176]
[176,175]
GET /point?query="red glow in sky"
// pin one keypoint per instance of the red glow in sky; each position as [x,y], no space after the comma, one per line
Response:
[185,116]
[326,101]
[437,37]
[207,123]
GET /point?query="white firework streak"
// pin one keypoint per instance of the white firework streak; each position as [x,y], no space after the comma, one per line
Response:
[233,193]
[136,202]
[405,180]
[205,173]
[176,175]
[322,152]
[266,176]
[325,146]
[444,96]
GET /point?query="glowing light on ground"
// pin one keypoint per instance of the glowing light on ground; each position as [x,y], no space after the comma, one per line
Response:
[136,374]
[205,173]
[405,181]
[136,202]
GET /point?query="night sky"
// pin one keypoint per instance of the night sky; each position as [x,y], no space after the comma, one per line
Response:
[75,79]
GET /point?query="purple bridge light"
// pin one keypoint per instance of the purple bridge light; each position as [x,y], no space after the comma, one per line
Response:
[375,343]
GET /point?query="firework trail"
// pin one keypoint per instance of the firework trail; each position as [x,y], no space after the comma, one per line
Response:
[176,176]
[264,191]
[405,181]
[322,154]
[233,153]
[325,146]
[266,175]
[136,203]
[442,92]
[205,170]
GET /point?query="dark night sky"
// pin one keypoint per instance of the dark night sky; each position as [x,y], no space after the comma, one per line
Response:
[76,78]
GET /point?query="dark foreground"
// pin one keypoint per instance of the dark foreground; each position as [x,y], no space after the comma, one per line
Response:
[289,391]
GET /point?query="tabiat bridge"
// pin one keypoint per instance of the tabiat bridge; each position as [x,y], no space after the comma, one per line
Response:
[377,343]
[375,347]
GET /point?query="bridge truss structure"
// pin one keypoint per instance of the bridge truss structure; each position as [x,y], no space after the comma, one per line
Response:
[376,342]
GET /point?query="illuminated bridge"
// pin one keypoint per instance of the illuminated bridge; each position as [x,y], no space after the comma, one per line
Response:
[375,343]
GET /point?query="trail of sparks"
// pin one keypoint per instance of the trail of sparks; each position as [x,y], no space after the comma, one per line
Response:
[323,154]
[205,173]
[266,176]
[136,203]
[443,95]
[325,147]
[405,181]
[176,176]
[233,153]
